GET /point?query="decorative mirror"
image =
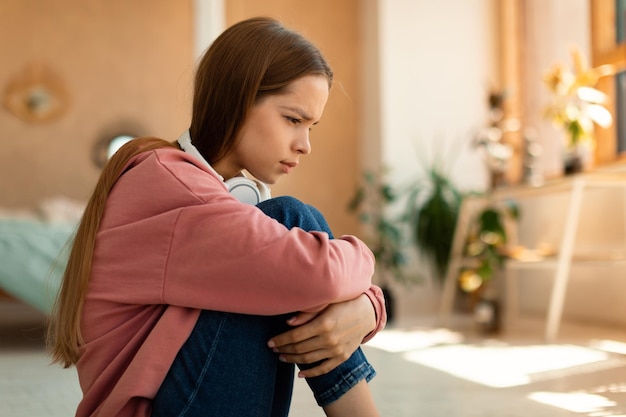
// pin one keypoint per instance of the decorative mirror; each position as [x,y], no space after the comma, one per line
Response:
[104,148]
[36,95]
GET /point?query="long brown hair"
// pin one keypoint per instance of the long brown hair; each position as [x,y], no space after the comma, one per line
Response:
[64,333]
[251,59]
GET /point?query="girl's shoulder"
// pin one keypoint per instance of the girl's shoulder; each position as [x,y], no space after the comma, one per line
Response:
[188,169]
[159,181]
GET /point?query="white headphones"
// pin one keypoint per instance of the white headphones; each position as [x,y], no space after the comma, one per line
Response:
[243,189]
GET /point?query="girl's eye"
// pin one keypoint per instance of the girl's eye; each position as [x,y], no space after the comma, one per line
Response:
[293,120]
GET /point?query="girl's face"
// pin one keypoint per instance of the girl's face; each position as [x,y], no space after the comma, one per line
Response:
[276,132]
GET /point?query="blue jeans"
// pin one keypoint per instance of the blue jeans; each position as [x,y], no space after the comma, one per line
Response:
[225,368]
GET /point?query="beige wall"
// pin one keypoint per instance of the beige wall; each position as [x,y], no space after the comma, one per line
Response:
[130,63]
[123,63]
[327,177]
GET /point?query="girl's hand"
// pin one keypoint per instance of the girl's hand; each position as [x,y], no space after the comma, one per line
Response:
[331,335]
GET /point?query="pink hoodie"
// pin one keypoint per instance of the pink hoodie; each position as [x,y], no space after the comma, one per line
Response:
[173,241]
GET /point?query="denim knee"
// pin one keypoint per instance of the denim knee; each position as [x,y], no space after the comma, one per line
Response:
[292,212]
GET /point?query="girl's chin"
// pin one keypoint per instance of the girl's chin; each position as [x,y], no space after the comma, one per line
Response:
[271,179]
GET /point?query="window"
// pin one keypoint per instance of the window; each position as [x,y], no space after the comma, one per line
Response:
[608,38]
[620,79]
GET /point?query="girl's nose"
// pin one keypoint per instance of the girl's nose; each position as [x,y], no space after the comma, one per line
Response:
[303,144]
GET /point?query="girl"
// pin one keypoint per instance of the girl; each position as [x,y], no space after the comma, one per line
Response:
[177,298]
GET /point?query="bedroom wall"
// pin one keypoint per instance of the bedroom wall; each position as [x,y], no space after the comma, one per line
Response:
[124,64]
[436,64]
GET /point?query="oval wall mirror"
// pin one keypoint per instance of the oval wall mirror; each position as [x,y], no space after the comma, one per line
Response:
[106,147]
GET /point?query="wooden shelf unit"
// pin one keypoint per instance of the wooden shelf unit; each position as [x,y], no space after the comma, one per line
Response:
[564,259]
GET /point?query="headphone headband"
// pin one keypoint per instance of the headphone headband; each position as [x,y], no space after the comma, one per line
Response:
[243,189]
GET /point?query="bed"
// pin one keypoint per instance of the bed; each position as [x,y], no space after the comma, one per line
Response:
[33,250]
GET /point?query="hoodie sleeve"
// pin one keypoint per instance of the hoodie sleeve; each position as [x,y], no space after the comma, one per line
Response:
[232,257]
[375,295]
[178,237]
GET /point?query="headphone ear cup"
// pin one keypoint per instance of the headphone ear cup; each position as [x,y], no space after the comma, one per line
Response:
[244,190]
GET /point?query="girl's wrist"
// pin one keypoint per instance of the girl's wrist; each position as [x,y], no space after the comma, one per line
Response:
[368,311]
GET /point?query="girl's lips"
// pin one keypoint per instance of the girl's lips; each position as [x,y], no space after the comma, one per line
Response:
[288,166]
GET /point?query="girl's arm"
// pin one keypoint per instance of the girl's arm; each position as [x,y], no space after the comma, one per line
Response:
[333,334]
[178,238]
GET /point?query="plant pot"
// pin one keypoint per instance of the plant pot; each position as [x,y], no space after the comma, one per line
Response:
[572,164]
[487,316]
[577,157]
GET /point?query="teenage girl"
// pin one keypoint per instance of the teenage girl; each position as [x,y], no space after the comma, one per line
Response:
[180,300]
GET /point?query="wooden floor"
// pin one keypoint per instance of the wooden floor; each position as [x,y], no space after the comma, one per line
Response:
[423,370]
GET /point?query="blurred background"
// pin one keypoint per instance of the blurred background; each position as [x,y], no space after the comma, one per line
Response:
[454,135]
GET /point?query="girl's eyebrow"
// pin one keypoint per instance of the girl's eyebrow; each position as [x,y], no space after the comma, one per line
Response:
[303,115]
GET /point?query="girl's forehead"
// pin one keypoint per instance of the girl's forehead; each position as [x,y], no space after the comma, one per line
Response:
[305,96]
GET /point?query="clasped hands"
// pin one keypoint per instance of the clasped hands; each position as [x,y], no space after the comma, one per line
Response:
[330,336]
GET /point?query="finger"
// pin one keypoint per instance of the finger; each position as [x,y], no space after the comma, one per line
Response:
[324,341]
[305,358]
[337,352]
[301,318]
[305,346]
[296,335]
[321,369]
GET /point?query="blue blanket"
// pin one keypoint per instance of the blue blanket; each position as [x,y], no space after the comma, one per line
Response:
[32,259]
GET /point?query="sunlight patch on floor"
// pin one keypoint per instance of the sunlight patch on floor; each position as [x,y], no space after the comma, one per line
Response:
[576,402]
[502,365]
[609,346]
[406,340]
[594,402]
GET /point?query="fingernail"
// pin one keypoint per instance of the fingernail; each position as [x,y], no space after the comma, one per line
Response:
[291,320]
[271,344]
[282,359]
[300,375]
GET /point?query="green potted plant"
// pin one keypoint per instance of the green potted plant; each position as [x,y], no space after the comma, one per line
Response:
[577,106]
[486,247]
[371,202]
[431,212]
